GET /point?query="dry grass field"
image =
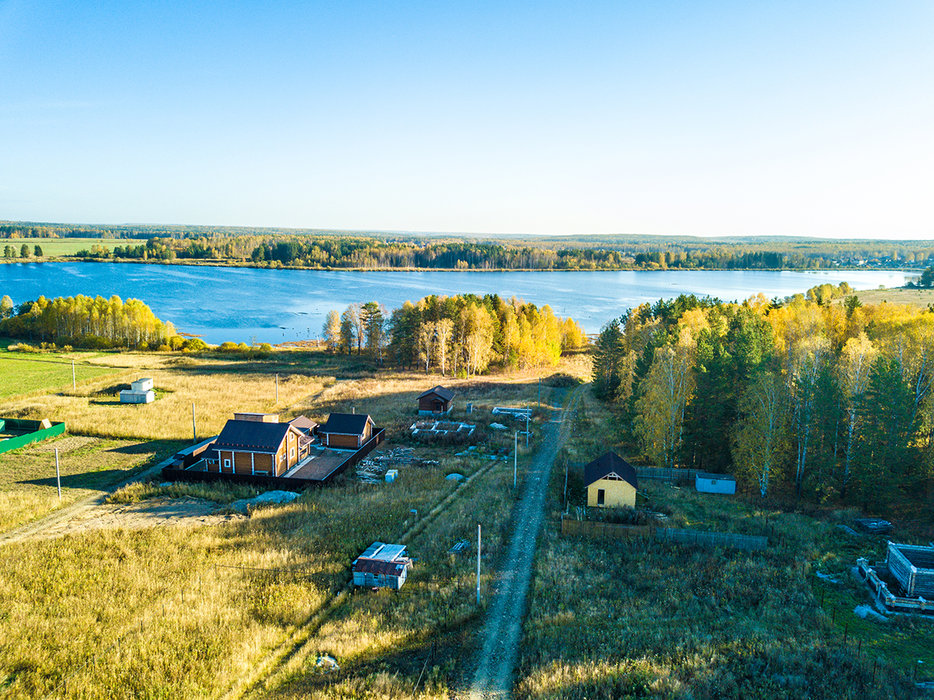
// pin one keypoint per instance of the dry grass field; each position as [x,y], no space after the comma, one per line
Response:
[633,618]
[88,465]
[899,295]
[193,611]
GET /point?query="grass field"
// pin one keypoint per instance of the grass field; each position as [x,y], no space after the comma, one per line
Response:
[634,618]
[192,611]
[25,373]
[88,465]
[53,247]
[900,295]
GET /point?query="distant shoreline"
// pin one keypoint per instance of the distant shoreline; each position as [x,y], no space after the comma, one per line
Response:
[253,266]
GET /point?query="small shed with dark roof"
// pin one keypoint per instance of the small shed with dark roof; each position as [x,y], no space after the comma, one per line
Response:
[436,401]
[381,566]
[346,430]
[611,482]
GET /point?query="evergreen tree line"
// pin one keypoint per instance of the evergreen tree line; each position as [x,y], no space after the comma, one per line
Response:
[461,335]
[88,322]
[818,396]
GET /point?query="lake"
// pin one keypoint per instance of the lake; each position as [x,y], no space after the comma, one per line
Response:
[261,305]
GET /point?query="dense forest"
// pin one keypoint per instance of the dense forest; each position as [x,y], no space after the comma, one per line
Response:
[320,249]
[460,335]
[818,397]
[88,322]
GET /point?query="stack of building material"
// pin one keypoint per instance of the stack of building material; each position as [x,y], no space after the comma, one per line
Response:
[140,391]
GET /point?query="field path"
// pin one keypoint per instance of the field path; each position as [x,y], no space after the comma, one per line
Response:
[78,511]
[499,642]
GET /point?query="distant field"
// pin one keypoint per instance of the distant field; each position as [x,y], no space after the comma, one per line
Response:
[899,295]
[68,246]
[24,373]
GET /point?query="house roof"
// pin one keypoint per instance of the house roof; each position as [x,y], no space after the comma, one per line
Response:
[346,423]
[252,436]
[381,558]
[608,464]
[439,391]
[303,423]
[378,566]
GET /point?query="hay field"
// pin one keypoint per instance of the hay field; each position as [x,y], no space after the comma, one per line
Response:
[898,295]
[88,465]
[191,611]
[186,612]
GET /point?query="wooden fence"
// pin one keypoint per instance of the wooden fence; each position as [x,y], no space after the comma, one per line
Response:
[698,538]
[592,528]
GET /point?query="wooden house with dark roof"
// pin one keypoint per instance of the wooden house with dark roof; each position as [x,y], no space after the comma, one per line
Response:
[257,444]
[346,431]
[437,401]
[611,482]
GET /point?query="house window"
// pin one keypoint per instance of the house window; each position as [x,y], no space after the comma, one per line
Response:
[226,464]
[601,497]
[292,453]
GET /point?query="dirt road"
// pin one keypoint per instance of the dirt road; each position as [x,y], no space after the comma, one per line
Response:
[502,631]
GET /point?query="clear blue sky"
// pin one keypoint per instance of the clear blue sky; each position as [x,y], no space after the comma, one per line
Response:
[707,118]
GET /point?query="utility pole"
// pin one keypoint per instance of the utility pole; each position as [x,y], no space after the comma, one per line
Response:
[58,476]
[194,429]
[478,563]
[565,486]
[515,458]
[74,381]
[527,416]
[277,388]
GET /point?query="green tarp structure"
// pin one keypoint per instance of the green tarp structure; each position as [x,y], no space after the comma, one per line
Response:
[30,431]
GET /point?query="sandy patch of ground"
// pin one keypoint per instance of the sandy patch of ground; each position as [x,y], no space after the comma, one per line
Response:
[159,512]
[68,444]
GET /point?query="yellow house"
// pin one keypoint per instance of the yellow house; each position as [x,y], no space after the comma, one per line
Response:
[611,482]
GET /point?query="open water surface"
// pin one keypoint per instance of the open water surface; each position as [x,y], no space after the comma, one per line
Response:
[273,306]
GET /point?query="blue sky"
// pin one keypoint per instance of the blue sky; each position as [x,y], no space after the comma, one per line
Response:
[714,118]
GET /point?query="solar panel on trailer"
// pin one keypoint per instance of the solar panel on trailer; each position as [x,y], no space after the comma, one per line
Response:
[391,551]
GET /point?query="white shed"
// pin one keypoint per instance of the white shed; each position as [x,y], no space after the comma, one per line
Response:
[141,385]
[714,483]
[130,396]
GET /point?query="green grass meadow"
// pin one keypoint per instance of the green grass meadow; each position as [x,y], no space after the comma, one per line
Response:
[60,247]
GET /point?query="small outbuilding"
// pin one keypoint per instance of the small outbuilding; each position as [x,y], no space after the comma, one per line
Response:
[611,482]
[348,431]
[381,566]
[705,482]
[140,391]
[437,401]
[913,567]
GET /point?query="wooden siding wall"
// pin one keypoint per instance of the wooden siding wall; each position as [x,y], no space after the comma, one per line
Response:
[617,493]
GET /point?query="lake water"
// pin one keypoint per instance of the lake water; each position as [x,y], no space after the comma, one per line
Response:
[247,304]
